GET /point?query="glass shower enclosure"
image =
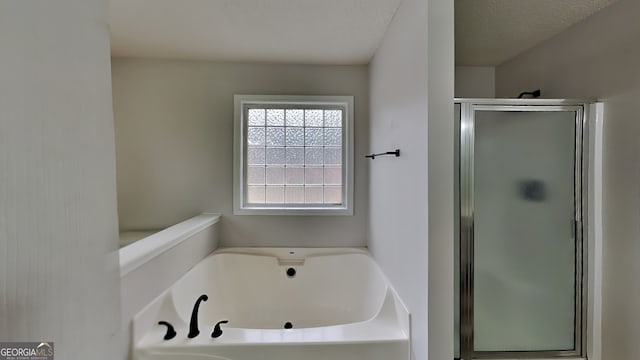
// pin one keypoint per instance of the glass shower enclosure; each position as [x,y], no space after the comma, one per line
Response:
[521,166]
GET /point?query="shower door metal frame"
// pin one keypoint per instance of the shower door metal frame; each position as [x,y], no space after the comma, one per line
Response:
[465,176]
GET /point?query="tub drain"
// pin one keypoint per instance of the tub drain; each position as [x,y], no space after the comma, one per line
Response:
[288,325]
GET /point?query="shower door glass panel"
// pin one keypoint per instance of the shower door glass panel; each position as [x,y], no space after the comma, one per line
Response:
[524,249]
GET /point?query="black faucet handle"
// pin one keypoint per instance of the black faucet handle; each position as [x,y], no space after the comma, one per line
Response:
[171,332]
[217,331]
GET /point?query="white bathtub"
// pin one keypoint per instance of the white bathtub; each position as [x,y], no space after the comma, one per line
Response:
[339,304]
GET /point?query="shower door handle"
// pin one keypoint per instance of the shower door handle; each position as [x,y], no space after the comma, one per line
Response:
[576,225]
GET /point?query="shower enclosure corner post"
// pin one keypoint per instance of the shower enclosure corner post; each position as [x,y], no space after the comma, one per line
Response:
[594,238]
[466,230]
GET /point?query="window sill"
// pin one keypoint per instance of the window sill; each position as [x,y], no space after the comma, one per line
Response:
[305,211]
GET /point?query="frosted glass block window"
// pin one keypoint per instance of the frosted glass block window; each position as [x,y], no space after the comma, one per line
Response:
[293,154]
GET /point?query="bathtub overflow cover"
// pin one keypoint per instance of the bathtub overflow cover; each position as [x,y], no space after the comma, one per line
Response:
[288,325]
[291,272]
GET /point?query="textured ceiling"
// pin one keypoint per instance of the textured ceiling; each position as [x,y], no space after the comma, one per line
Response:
[489,32]
[292,31]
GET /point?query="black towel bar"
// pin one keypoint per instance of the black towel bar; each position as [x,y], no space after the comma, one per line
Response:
[373,156]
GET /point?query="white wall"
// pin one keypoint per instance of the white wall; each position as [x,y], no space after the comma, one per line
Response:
[174,134]
[600,58]
[441,178]
[58,224]
[475,82]
[405,107]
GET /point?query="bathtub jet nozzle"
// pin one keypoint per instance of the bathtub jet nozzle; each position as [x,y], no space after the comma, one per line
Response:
[193,325]
[217,331]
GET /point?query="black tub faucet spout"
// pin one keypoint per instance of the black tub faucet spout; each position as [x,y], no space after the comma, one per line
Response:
[193,325]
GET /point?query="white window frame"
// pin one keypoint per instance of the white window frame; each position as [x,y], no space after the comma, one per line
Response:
[241,103]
